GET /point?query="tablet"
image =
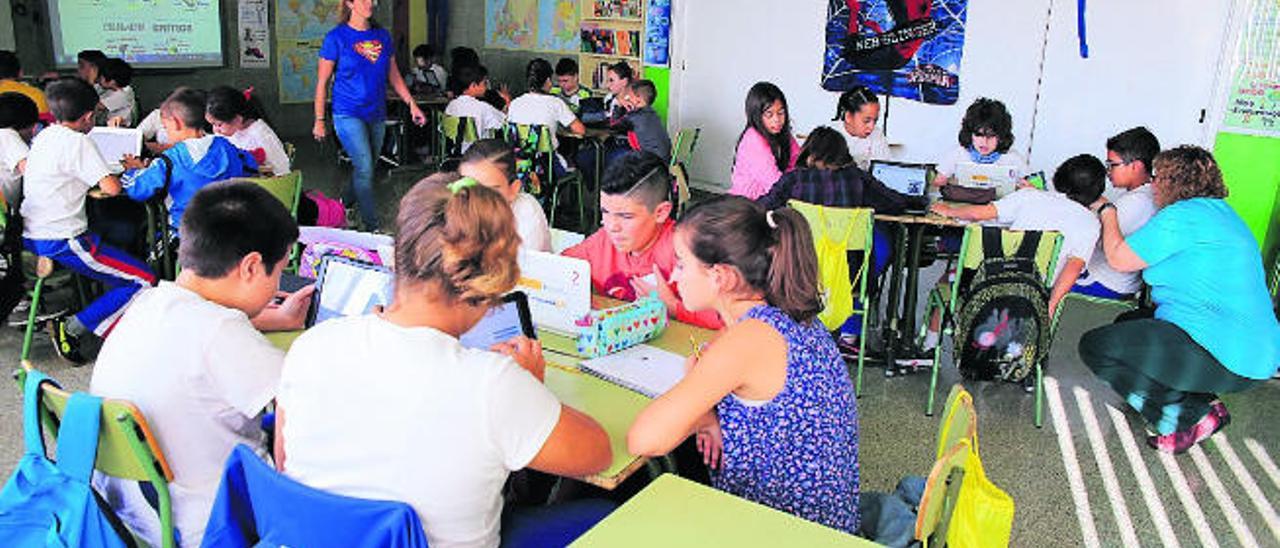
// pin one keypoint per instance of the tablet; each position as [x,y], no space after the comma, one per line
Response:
[348,287]
[502,323]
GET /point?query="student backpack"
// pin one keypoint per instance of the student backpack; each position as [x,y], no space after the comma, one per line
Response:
[52,504]
[1002,327]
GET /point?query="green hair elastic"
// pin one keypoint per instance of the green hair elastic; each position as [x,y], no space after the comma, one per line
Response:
[465,182]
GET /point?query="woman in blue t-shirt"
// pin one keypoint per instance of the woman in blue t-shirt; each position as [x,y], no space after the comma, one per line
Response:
[361,55]
[1213,329]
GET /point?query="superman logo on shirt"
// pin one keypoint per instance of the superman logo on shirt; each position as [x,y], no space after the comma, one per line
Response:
[369,49]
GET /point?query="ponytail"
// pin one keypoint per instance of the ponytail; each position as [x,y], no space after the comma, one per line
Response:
[773,250]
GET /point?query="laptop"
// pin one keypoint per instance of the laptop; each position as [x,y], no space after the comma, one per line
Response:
[591,111]
[348,287]
[114,143]
[1003,179]
[908,179]
[558,287]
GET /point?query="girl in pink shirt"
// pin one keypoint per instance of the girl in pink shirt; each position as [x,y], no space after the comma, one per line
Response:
[766,148]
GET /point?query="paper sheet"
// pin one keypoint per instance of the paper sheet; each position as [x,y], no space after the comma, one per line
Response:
[646,369]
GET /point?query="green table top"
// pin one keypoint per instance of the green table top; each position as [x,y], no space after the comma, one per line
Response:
[674,512]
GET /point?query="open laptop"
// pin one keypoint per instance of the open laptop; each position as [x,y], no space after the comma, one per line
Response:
[1002,178]
[908,179]
[559,289]
[591,111]
[115,142]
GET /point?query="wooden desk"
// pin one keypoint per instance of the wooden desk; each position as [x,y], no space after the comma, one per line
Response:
[675,512]
[613,406]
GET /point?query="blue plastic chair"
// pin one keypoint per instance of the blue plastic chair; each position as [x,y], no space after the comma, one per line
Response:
[258,506]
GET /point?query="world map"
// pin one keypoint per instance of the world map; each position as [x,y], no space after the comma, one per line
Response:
[541,25]
[300,29]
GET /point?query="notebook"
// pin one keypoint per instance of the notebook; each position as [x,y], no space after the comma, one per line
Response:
[645,369]
[909,179]
[559,289]
[115,142]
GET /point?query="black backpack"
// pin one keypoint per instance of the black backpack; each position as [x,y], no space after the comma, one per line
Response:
[1002,327]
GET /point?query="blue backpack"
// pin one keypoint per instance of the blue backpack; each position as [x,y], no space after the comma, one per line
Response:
[51,504]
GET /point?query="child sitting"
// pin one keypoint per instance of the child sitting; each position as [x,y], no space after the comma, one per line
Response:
[452,428]
[492,162]
[632,254]
[117,95]
[766,149]
[10,72]
[195,160]
[188,355]
[857,113]
[770,400]
[537,107]
[568,88]
[426,75]
[1077,183]
[238,116]
[62,167]
[826,175]
[18,117]
[644,130]
[471,84]
[1130,159]
[986,135]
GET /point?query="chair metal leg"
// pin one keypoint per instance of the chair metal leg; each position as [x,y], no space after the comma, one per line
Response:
[1039,419]
[31,319]
[933,378]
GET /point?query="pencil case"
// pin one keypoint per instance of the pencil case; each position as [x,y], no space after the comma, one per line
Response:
[610,330]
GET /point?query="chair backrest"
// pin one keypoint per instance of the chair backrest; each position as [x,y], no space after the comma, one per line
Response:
[539,137]
[682,193]
[290,152]
[959,421]
[1046,252]
[286,188]
[682,149]
[458,129]
[840,220]
[126,447]
[256,505]
[940,490]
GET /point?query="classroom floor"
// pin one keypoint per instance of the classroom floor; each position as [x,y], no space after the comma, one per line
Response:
[1086,478]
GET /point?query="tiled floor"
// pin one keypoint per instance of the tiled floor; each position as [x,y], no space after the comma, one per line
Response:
[1086,478]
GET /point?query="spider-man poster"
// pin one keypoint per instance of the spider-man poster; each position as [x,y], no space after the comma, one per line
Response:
[903,48]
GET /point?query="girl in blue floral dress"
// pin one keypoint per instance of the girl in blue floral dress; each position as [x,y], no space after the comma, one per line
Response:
[769,400]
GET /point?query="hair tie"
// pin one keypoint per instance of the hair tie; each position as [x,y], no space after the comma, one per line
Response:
[768,218]
[248,93]
[465,182]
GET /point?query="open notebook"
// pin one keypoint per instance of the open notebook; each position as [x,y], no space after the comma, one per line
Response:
[645,369]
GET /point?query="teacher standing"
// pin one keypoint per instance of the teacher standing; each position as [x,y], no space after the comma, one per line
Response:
[361,54]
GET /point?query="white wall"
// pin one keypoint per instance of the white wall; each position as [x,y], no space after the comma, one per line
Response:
[1136,74]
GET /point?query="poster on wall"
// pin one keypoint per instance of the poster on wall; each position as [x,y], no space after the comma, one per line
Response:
[300,29]
[657,33]
[902,48]
[255,36]
[532,25]
[1253,105]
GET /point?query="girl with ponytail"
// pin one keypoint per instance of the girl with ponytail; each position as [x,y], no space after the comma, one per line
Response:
[770,400]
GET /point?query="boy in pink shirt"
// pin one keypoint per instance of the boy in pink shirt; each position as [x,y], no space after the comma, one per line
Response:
[633,253]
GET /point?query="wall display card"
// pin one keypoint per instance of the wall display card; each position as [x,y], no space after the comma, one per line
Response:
[255,35]
[1253,106]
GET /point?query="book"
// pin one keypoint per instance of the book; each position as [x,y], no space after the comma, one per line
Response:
[646,369]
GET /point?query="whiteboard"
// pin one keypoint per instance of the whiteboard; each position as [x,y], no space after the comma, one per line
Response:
[6,26]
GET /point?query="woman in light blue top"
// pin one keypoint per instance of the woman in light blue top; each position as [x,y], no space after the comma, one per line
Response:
[1213,329]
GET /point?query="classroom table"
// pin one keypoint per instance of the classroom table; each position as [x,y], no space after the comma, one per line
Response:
[901,327]
[674,512]
[613,406]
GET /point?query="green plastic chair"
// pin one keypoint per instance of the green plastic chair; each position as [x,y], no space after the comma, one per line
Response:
[858,224]
[535,141]
[286,188]
[127,448]
[682,192]
[455,133]
[946,297]
[941,491]
[682,148]
[959,421]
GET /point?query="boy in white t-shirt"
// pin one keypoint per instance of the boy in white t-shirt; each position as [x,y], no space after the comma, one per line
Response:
[1129,157]
[538,107]
[471,83]
[117,96]
[18,117]
[188,354]
[492,162]
[62,167]
[1077,183]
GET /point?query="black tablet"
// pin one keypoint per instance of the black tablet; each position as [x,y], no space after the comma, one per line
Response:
[348,287]
[502,323]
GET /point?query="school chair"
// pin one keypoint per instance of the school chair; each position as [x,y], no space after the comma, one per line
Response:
[1132,302]
[286,188]
[454,133]
[836,233]
[681,193]
[945,299]
[159,236]
[533,142]
[127,448]
[682,147]
[257,506]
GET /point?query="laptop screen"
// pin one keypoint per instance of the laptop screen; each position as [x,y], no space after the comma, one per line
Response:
[908,179]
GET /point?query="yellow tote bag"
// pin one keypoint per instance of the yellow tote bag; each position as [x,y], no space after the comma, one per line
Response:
[983,515]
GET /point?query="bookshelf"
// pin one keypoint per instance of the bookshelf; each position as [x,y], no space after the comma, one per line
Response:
[612,31]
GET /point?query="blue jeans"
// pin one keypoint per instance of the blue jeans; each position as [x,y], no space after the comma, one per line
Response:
[362,139]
